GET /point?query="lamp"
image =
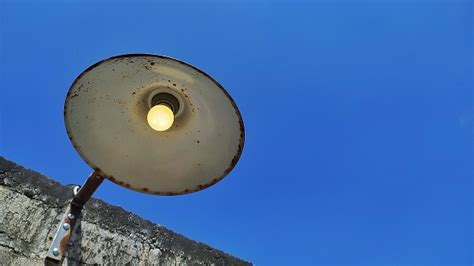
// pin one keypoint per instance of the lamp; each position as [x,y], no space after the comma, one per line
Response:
[149,123]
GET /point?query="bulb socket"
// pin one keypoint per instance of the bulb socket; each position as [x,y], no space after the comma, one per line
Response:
[166,99]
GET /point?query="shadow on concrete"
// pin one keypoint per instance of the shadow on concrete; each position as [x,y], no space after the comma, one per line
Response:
[74,251]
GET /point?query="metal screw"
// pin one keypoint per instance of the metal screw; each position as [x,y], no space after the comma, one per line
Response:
[71,216]
[55,251]
[66,226]
[76,190]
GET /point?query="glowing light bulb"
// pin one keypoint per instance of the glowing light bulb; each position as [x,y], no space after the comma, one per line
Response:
[160,117]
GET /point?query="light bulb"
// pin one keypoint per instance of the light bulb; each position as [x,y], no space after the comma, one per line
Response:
[160,117]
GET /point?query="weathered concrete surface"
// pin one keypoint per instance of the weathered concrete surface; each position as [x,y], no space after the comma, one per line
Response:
[31,206]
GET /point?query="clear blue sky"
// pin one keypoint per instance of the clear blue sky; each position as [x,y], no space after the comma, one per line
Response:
[359,120]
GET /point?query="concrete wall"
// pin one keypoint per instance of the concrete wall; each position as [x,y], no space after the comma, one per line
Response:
[31,206]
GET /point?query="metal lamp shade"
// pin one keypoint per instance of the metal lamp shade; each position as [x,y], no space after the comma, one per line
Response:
[106,120]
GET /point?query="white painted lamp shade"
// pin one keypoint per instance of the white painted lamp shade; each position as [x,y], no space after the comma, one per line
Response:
[106,112]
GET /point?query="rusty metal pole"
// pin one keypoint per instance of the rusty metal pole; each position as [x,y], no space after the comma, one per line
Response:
[89,187]
[59,245]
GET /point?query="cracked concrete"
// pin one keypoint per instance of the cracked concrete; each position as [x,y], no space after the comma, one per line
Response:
[31,206]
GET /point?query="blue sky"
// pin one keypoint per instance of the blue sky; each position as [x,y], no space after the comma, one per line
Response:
[358,119]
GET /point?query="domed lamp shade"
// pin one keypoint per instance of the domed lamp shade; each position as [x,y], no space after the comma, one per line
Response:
[149,123]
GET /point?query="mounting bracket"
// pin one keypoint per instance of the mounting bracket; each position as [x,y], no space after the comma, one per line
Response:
[59,244]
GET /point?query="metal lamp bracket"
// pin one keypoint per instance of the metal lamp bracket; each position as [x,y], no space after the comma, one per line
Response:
[59,244]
